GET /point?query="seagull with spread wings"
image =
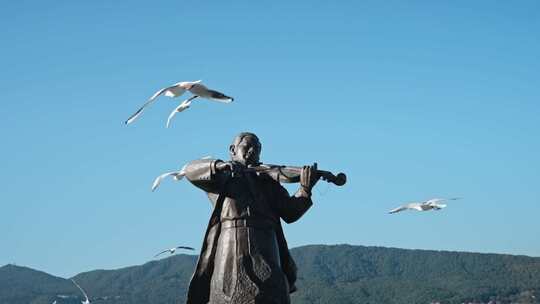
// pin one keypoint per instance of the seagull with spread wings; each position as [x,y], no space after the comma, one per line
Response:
[431,204]
[173,250]
[194,87]
[176,175]
[182,107]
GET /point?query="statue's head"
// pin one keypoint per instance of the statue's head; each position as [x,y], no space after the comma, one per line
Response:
[246,149]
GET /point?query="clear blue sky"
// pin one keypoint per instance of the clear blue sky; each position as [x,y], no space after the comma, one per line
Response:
[412,100]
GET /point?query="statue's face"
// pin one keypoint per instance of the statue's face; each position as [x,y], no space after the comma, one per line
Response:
[247,151]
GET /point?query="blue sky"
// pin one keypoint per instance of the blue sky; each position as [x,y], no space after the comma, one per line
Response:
[412,100]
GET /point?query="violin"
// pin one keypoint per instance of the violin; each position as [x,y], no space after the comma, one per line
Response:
[291,174]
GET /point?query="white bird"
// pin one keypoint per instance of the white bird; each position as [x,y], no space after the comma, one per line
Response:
[176,175]
[431,204]
[173,250]
[177,89]
[86,300]
[183,106]
[200,90]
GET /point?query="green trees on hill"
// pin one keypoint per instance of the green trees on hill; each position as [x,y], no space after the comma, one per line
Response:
[356,274]
[327,274]
[24,285]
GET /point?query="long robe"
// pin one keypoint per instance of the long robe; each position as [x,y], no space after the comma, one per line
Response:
[244,257]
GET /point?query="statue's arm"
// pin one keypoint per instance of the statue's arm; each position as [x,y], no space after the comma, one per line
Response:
[291,208]
[204,174]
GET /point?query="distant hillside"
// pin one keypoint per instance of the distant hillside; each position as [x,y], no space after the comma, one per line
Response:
[25,285]
[357,274]
[163,281]
[327,274]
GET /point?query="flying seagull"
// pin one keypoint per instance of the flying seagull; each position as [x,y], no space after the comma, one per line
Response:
[183,106]
[176,175]
[194,87]
[86,300]
[173,250]
[431,204]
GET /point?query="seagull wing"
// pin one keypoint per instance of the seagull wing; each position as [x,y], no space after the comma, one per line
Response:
[183,106]
[136,114]
[185,247]
[159,92]
[158,179]
[172,91]
[172,115]
[415,206]
[179,176]
[398,209]
[435,200]
[82,290]
[161,253]
[199,89]
[181,173]
[440,200]
[202,91]
[218,96]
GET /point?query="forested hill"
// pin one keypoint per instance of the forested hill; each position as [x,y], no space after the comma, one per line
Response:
[327,274]
[25,285]
[357,274]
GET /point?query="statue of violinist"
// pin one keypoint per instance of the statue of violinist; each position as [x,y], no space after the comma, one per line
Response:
[244,257]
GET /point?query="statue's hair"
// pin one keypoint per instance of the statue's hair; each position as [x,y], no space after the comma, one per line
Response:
[239,137]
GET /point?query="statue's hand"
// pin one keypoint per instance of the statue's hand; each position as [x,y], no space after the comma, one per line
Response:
[233,168]
[309,177]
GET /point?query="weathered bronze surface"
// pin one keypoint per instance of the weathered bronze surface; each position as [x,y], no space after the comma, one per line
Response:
[244,257]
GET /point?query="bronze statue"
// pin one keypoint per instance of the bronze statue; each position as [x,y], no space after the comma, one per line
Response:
[244,257]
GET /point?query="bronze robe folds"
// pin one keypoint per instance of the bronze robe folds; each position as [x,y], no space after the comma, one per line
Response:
[244,257]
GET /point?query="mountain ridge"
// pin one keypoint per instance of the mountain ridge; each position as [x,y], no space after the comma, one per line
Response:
[340,273]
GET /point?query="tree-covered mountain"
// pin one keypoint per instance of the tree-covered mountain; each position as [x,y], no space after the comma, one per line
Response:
[327,274]
[357,274]
[163,281]
[25,285]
